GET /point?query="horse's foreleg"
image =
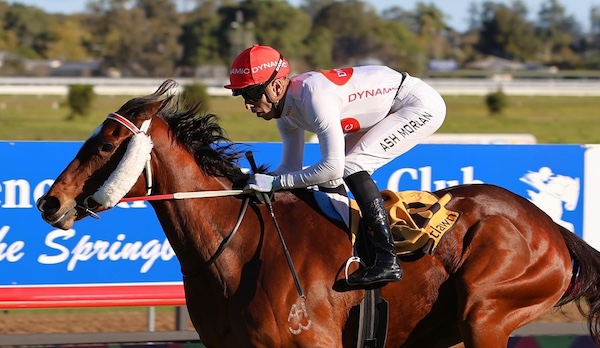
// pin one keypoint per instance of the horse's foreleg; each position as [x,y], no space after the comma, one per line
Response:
[523,285]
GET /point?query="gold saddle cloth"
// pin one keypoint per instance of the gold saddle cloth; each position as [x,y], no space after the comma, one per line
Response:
[418,219]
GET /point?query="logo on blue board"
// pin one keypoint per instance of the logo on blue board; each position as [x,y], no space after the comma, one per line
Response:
[553,193]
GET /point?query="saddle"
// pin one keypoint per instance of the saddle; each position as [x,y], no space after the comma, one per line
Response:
[418,219]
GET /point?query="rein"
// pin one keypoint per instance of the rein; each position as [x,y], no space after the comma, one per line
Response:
[286,252]
[178,195]
[185,195]
[141,132]
[203,194]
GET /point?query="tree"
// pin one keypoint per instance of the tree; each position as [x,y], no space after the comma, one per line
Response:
[318,49]
[474,16]
[595,20]
[353,31]
[506,33]
[161,49]
[351,23]
[313,7]
[278,24]
[31,27]
[398,48]
[200,41]
[594,40]
[68,41]
[557,32]
[432,30]
[8,40]
[141,41]
[118,34]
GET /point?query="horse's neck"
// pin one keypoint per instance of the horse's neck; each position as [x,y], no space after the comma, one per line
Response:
[177,171]
[193,226]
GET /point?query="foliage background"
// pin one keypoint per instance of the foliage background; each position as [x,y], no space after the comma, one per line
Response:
[153,38]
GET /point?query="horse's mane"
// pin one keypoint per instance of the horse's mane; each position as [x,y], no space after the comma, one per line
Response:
[197,131]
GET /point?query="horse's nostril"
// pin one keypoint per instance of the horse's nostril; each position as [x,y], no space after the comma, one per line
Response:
[49,204]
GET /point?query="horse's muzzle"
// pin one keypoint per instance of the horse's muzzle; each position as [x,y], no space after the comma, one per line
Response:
[55,213]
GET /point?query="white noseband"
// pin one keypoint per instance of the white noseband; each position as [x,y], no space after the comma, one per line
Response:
[136,158]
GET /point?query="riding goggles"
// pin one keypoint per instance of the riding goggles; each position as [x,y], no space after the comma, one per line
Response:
[253,93]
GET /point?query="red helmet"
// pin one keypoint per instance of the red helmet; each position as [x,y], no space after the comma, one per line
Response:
[255,65]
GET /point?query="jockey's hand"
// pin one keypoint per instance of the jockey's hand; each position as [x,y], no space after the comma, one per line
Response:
[262,183]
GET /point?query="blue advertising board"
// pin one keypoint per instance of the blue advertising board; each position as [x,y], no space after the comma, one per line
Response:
[127,245]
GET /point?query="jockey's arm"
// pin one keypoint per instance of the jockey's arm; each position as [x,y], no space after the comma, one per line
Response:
[292,149]
[331,144]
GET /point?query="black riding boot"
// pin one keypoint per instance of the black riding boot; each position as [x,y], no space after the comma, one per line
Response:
[385,267]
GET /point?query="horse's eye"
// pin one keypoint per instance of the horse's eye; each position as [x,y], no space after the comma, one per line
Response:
[107,147]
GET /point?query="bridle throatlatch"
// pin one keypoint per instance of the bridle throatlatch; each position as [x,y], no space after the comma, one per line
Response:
[129,169]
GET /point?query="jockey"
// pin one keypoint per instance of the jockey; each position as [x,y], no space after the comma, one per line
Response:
[364,117]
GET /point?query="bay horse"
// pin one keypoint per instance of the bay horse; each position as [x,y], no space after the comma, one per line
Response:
[504,264]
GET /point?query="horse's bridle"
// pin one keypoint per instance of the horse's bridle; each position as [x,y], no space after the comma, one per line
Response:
[135,130]
[148,174]
[146,166]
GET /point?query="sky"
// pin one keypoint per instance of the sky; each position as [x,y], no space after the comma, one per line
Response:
[456,11]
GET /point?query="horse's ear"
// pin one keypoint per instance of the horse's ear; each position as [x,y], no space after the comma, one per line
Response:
[153,108]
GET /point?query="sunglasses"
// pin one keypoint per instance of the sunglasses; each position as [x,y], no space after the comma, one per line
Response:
[255,92]
[252,93]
